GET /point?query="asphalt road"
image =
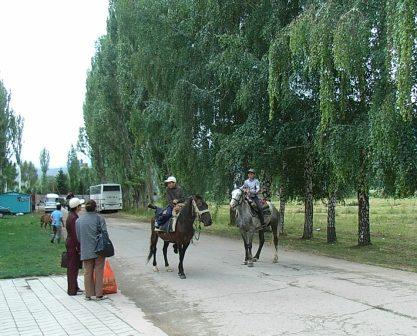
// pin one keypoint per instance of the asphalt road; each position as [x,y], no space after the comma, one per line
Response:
[301,295]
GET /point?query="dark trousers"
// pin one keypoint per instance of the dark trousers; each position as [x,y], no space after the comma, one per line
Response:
[72,272]
[260,208]
[163,218]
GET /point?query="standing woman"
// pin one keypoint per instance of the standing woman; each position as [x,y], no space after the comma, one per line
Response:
[73,246]
[88,225]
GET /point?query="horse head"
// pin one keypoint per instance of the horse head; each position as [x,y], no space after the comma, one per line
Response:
[237,198]
[201,209]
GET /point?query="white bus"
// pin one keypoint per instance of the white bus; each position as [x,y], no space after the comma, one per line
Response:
[107,196]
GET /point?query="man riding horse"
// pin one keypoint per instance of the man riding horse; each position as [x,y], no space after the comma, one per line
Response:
[175,197]
[252,187]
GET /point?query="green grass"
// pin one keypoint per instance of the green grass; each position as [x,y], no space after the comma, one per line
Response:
[143,215]
[393,232]
[25,248]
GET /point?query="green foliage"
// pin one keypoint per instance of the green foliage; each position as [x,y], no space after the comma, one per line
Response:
[44,158]
[61,182]
[29,177]
[300,90]
[7,140]
[73,167]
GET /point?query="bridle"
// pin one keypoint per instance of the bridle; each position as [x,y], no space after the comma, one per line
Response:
[197,211]
[238,200]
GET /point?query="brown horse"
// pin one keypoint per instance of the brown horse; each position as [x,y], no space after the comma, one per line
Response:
[46,220]
[194,208]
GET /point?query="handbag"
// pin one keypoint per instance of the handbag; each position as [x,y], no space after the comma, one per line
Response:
[104,246]
[64,259]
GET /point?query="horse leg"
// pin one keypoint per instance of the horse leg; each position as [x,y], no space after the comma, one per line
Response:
[165,250]
[182,250]
[261,244]
[275,233]
[250,238]
[245,261]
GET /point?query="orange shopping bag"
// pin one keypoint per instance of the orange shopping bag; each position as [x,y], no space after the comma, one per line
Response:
[109,281]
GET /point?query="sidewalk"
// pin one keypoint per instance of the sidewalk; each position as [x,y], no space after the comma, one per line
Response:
[41,306]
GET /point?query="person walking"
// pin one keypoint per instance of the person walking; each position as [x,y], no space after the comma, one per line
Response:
[57,223]
[87,228]
[73,246]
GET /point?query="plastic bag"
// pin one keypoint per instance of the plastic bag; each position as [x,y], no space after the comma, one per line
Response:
[109,281]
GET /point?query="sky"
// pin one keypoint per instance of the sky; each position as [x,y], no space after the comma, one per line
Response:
[45,52]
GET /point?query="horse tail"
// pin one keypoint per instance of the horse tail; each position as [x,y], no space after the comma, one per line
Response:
[153,241]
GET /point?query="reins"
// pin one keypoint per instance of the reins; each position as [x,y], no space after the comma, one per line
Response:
[197,227]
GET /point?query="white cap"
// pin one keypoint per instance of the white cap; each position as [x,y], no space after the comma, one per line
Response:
[74,202]
[171,179]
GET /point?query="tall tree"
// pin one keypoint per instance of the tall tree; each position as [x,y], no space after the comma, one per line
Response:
[61,181]
[6,115]
[29,177]
[17,123]
[73,166]
[44,162]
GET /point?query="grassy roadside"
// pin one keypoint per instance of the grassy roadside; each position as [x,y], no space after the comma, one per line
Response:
[25,248]
[393,232]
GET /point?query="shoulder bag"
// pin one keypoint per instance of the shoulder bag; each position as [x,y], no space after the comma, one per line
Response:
[104,246]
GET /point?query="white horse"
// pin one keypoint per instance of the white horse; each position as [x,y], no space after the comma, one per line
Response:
[249,224]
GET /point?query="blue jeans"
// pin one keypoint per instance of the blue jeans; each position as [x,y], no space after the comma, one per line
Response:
[163,216]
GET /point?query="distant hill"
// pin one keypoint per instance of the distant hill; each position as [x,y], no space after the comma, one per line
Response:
[53,171]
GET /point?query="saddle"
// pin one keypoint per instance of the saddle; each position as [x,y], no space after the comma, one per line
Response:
[265,208]
[170,225]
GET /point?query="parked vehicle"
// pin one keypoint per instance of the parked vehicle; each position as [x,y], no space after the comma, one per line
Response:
[51,201]
[107,196]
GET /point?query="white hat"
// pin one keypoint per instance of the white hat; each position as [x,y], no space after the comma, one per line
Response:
[74,202]
[171,179]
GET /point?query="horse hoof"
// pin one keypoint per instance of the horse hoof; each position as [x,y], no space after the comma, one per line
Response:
[182,276]
[168,269]
[255,259]
[244,262]
[155,269]
[250,264]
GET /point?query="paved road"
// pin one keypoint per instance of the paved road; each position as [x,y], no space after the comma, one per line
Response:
[301,295]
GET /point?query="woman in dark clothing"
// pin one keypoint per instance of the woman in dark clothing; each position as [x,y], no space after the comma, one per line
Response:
[73,246]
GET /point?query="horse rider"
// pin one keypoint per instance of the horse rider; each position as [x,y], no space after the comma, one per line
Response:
[175,196]
[252,187]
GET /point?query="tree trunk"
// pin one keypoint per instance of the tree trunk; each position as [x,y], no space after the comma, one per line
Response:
[364,232]
[331,218]
[19,177]
[282,201]
[308,200]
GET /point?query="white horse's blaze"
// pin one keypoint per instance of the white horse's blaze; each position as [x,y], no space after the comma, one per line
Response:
[236,195]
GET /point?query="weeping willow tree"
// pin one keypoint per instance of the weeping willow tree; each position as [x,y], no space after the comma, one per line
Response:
[394,116]
[355,62]
[319,96]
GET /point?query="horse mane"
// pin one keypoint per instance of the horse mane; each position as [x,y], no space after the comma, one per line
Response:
[188,203]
